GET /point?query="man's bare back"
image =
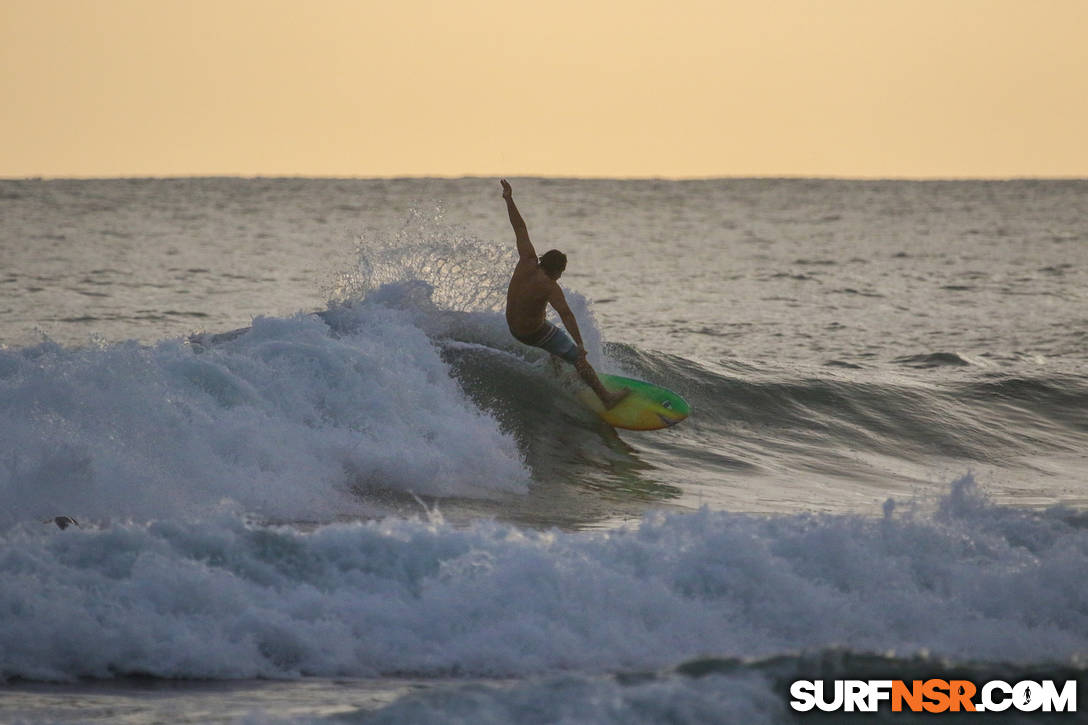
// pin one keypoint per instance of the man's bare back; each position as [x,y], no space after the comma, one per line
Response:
[534,286]
[527,297]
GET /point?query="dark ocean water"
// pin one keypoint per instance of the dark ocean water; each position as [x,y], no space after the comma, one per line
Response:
[316,478]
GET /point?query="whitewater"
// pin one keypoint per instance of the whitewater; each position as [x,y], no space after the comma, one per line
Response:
[316,480]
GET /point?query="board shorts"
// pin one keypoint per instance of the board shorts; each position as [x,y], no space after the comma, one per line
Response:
[551,338]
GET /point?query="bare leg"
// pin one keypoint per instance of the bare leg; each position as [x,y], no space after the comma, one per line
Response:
[586,371]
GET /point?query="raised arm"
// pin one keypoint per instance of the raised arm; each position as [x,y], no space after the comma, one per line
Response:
[525,247]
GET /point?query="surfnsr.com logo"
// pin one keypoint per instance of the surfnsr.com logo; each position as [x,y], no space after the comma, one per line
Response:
[933,695]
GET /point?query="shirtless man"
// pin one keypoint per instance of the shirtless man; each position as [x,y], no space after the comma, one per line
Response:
[534,286]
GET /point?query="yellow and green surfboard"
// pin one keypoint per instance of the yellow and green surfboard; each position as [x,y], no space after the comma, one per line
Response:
[647,407]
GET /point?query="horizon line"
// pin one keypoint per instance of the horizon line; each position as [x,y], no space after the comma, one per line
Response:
[561,177]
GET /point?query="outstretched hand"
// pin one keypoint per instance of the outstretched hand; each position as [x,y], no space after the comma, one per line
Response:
[507,192]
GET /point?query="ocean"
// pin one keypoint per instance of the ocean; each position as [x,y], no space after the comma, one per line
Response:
[316,480]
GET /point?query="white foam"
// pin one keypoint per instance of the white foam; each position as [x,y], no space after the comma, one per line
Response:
[284,421]
[219,598]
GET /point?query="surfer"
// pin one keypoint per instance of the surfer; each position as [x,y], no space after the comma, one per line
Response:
[533,286]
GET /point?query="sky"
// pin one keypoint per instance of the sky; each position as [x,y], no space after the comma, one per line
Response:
[582,88]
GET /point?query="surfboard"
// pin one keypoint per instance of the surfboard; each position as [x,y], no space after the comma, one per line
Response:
[648,407]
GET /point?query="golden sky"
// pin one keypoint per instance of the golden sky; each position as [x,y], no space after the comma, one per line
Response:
[673,88]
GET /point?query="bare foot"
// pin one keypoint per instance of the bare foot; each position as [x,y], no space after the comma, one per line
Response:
[615,399]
